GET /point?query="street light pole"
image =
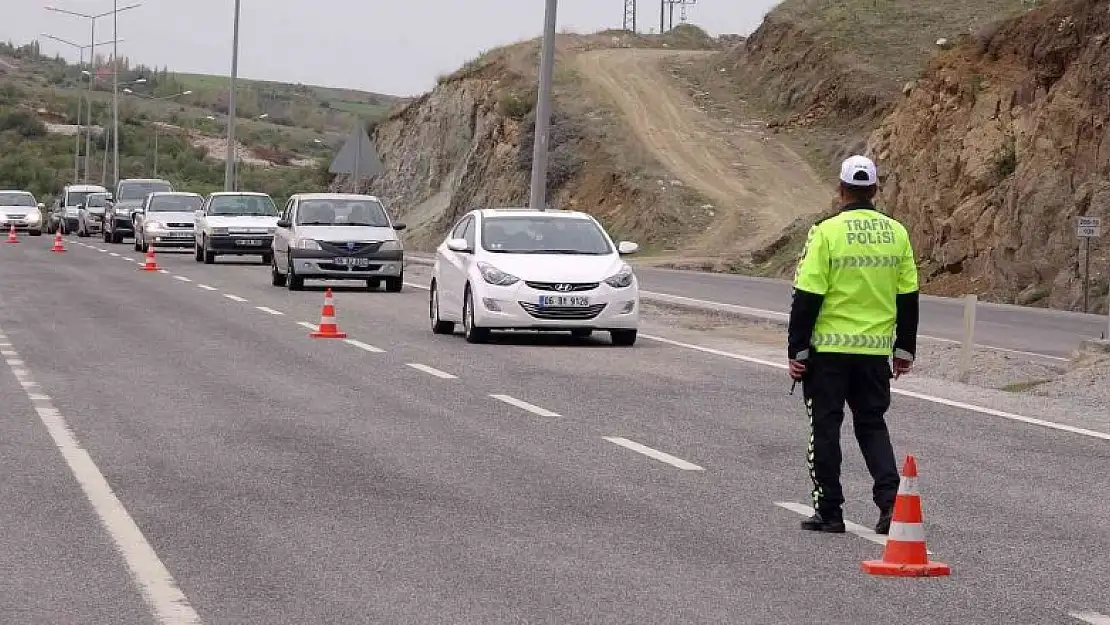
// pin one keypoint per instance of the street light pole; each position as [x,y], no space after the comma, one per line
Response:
[229,166]
[115,94]
[537,198]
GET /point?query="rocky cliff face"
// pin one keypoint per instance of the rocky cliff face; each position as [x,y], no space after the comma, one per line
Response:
[993,154]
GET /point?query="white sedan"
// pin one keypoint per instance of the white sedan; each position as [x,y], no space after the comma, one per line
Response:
[521,269]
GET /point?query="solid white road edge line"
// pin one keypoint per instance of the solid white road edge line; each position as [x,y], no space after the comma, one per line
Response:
[207,288]
[234,298]
[897,391]
[1093,618]
[366,347]
[432,371]
[653,453]
[865,533]
[269,311]
[162,594]
[523,405]
[183,278]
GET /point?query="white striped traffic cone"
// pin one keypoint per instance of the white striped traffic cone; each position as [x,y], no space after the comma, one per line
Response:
[905,554]
[327,329]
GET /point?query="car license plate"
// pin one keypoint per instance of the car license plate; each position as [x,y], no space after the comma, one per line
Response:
[564,301]
[181,235]
[352,262]
[251,242]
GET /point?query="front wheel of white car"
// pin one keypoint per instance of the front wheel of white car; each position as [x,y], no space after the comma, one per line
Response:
[472,333]
[276,277]
[623,338]
[439,326]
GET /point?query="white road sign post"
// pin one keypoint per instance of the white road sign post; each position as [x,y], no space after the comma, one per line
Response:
[1087,228]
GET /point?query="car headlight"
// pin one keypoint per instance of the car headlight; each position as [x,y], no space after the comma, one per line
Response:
[155,225]
[307,244]
[219,231]
[621,279]
[391,246]
[493,275]
[33,218]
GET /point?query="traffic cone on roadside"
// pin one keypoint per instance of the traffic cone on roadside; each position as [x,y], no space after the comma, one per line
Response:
[327,328]
[58,245]
[11,235]
[905,554]
[151,264]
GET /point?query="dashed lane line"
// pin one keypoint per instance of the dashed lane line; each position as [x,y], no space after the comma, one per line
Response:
[234,298]
[183,278]
[897,391]
[163,596]
[1092,618]
[655,454]
[310,326]
[443,375]
[166,271]
[113,254]
[366,347]
[206,287]
[523,405]
[269,311]
[101,250]
[865,533]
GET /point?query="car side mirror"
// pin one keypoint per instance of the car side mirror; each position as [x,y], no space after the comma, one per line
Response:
[399,225]
[458,245]
[627,247]
[284,223]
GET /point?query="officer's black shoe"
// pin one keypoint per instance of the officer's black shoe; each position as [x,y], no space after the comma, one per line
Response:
[883,526]
[831,523]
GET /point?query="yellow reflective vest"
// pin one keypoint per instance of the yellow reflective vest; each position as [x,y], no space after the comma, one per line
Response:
[860,260]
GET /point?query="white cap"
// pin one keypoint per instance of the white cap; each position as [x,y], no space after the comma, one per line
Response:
[859,171]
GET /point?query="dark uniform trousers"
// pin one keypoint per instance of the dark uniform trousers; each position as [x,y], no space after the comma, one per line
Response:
[863,382]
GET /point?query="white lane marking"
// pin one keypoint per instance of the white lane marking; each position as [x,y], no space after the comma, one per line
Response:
[207,288]
[1093,618]
[169,605]
[100,249]
[9,352]
[183,278]
[417,286]
[865,533]
[163,271]
[129,259]
[269,311]
[762,312]
[113,254]
[897,391]
[523,405]
[234,298]
[674,461]
[443,375]
[366,347]
[305,324]
[14,362]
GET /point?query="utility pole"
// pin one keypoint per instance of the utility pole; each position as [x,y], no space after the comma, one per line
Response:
[229,165]
[538,196]
[662,16]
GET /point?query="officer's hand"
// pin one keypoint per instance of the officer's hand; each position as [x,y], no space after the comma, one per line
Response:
[902,367]
[797,369]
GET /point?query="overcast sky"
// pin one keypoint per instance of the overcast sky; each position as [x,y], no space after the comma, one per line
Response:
[396,47]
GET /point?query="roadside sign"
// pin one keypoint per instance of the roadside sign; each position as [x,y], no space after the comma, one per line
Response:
[1088,227]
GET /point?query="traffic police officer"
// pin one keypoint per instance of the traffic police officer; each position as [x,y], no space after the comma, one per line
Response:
[855,306]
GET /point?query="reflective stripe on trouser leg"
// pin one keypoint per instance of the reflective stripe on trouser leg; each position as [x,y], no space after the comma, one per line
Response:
[811,456]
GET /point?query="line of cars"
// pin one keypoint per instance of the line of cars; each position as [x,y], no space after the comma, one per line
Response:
[497,269]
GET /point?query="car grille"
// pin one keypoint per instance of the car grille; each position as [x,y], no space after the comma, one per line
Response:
[574,286]
[179,225]
[562,312]
[339,248]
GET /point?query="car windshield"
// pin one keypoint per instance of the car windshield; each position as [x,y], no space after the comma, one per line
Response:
[242,206]
[97,200]
[543,235]
[130,191]
[174,203]
[73,198]
[347,212]
[17,199]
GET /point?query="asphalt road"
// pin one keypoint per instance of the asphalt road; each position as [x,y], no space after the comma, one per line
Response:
[281,479]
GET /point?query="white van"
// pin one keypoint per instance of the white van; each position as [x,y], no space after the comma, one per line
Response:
[72,197]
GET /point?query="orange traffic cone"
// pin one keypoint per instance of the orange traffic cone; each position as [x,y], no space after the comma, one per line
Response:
[151,263]
[905,554]
[11,235]
[58,245]
[327,328]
